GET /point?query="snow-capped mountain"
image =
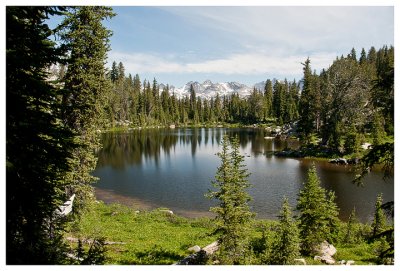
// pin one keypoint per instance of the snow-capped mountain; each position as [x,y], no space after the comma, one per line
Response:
[208,89]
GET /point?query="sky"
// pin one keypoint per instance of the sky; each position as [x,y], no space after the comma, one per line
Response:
[246,44]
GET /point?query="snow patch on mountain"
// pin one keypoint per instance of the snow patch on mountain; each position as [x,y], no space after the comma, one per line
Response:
[208,89]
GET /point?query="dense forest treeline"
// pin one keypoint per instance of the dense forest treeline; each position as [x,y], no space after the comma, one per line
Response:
[346,94]
[347,102]
[52,122]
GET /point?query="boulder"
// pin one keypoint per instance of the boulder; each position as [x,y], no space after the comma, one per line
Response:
[195,248]
[324,253]
[211,248]
[350,262]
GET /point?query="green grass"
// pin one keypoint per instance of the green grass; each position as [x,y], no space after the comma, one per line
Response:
[361,254]
[150,237]
[158,237]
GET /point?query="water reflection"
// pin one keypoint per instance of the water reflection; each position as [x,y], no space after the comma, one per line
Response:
[174,167]
[124,149]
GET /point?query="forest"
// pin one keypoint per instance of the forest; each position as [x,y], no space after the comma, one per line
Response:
[348,103]
[53,119]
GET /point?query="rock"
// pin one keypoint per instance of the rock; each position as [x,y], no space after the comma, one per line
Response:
[300,261]
[324,253]
[195,248]
[211,248]
[342,161]
[201,256]
[328,260]
[167,211]
[350,262]
[342,262]
[325,249]
[366,146]
[353,161]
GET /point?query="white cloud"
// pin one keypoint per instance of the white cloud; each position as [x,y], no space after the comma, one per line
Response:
[298,28]
[237,64]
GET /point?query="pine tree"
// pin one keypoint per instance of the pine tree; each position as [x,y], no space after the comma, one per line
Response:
[352,141]
[268,99]
[350,237]
[233,212]
[286,246]
[353,54]
[306,113]
[318,214]
[379,223]
[378,129]
[84,92]
[332,217]
[38,145]
[363,57]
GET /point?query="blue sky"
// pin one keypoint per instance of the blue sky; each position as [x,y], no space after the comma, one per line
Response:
[244,44]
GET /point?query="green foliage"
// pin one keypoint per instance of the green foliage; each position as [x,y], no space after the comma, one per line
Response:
[351,234]
[38,145]
[352,141]
[379,223]
[141,237]
[318,214]
[286,246]
[232,213]
[84,90]
[378,129]
[380,154]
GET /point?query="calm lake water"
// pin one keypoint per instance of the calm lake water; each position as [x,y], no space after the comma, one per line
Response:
[173,168]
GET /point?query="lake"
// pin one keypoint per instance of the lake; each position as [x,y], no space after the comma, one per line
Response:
[173,168]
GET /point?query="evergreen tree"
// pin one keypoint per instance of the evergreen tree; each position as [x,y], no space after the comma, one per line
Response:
[350,237]
[306,113]
[38,145]
[353,54]
[332,217]
[233,212]
[85,85]
[286,246]
[114,72]
[352,141]
[379,223]
[318,214]
[371,55]
[363,57]
[378,129]
[268,99]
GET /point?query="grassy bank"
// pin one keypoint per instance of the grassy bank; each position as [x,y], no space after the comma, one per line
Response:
[158,237]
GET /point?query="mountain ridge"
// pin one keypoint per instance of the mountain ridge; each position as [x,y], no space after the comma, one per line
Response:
[208,89]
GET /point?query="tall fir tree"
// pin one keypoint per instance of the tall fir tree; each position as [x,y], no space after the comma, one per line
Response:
[379,222]
[286,246]
[306,120]
[85,85]
[233,212]
[38,145]
[318,214]
[351,234]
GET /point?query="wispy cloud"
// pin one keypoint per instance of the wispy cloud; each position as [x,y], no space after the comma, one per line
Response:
[297,28]
[247,43]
